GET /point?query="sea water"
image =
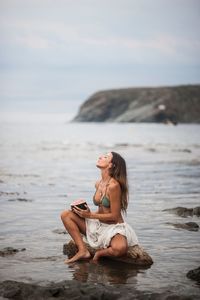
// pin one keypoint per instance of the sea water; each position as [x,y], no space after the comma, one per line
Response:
[44,166]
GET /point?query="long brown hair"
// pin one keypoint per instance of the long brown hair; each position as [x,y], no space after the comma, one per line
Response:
[119,173]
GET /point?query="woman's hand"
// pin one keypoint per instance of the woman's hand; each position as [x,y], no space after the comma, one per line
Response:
[83,213]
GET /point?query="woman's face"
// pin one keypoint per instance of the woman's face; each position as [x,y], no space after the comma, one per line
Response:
[104,161]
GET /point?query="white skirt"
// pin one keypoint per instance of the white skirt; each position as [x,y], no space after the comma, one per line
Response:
[99,234]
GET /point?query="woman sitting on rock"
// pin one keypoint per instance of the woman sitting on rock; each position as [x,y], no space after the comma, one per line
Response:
[104,229]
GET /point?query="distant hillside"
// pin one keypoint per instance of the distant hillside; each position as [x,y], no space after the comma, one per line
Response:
[160,104]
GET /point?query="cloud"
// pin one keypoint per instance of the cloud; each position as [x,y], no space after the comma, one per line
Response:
[68,48]
[86,43]
[34,42]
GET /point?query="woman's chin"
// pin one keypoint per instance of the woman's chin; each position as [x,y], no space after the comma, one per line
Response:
[98,166]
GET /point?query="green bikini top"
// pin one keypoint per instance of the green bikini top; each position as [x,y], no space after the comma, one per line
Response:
[104,199]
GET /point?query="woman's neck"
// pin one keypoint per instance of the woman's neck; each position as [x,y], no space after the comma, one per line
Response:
[105,175]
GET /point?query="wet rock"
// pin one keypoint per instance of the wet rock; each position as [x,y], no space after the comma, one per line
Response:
[59,231]
[62,290]
[191,226]
[151,149]
[8,193]
[75,290]
[63,196]
[196,211]
[122,145]
[21,200]
[183,150]
[184,212]
[194,274]
[46,258]
[180,211]
[136,255]
[186,150]
[10,251]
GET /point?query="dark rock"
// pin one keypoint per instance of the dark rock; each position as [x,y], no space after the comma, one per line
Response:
[136,255]
[183,211]
[59,231]
[21,200]
[168,105]
[75,290]
[194,274]
[62,290]
[186,150]
[191,226]
[10,251]
[46,258]
[196,211]
[9,193]
[183,150]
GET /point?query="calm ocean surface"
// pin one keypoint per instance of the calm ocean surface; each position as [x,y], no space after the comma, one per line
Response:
[50,164]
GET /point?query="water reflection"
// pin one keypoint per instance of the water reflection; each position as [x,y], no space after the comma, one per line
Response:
[106,271]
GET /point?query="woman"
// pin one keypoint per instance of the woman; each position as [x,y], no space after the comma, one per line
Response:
[104,229]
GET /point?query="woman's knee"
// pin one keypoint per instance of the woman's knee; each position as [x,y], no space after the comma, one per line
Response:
[119,250]
[69,218]
[119,246]
[65,214]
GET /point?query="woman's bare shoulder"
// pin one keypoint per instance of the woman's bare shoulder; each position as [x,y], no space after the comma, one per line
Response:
[114,185]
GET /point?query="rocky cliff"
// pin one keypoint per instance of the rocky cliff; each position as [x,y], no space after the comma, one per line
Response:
[160,104]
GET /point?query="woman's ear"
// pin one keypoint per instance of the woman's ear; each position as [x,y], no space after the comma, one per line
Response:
[110,165]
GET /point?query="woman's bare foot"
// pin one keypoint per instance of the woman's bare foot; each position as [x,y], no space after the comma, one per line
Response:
[100,253]
[96,257]
[81,254]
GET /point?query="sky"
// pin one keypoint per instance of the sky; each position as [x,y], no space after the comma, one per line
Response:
[55,54]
